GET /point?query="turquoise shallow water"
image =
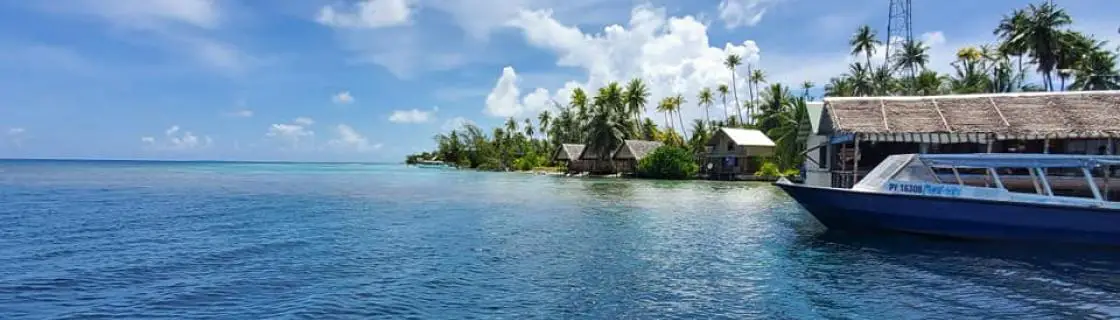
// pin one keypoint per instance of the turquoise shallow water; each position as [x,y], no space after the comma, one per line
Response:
[88,239]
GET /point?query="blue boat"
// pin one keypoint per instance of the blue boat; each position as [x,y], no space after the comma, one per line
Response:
[1036,197]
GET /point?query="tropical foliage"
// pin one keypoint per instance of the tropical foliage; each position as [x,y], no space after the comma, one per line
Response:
[668,162]
[1034,39]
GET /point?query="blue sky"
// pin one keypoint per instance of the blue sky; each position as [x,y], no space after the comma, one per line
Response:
[346,80]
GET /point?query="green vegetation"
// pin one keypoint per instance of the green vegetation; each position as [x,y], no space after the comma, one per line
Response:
[771,170]
[1037,37]
[668,162]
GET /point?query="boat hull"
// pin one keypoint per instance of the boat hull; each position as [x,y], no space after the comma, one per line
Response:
[955,217]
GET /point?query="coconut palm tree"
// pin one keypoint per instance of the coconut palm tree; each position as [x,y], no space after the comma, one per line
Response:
[789,123]
[928,83]
[649,130]
[757,76]
[529,128]
[579,103]
[914,54]
[774,100]
[860,76]
[805,87]
[705,99]
[722,90]
[839,87]
[544,119]
[635,97]
[864,41]
[1038,34]
[734,61]
[701,133]
[608,127]
[678,104]
[1097,71]
[511,126]
[665,106]
[1009,29]
[882,82]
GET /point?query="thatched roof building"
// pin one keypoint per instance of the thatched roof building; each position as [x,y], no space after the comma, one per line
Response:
[975,118]
[567,152]
[636,149]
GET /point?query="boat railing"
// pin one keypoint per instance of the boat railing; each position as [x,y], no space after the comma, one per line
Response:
[1048,176]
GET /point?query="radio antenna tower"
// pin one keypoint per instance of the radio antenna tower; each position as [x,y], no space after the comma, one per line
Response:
[898,30]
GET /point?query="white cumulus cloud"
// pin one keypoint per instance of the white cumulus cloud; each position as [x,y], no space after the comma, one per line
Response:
[303,121]
[342,98]
[369,14]
[412,116]
[177,139]
[455,123]
[505,99]
[348,139]
[671,54]
[737,13]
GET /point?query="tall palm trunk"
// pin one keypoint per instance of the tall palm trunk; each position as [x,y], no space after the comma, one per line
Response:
[724,98]
[681,119]
[735,92]
[667,123]
[706,116]
[750,91]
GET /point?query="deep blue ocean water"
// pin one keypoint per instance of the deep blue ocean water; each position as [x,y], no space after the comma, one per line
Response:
[185,240]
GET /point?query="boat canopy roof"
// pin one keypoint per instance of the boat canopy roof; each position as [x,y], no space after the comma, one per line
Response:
[1015,160]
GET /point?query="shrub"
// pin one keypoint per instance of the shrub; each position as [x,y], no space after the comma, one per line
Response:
[668,162]
[770,169]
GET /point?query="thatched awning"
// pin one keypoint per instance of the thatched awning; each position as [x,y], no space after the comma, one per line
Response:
[1087,114]
[567,152]
[636,149]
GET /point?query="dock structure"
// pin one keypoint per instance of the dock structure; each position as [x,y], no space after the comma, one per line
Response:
[851,135]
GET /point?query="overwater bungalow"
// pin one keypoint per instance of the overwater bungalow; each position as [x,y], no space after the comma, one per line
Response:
[849,136]
[568,154]
[736,154]
[594,165]
[627,156]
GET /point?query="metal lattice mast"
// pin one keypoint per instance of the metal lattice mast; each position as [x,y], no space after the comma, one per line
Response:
[898,29]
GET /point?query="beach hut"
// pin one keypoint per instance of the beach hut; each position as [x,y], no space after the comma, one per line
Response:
[627,157]
[568,154]
[854,134]
[736,154]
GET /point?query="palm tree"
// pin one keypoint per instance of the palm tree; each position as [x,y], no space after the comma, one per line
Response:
[1097,71]
[701,133]
[582,112]
[511,126]
[529,128]
[544,119]
[649,130]
[928,83]
[608,127]
[787,132]
[913,55]
[970,78]
[860,80]
[805,87]
[722,90]
[1037,33]
[882,82]
[733,61]
[635,97]
[757,77]
[678,103]
[864,41]
[1009,29]
[774,100]
[705,99]
[840,87]
[666,106]
[1075,46]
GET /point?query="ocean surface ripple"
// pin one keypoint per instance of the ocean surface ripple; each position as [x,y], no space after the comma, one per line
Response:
[92,239]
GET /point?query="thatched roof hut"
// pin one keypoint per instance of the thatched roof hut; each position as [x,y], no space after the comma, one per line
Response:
[976,118]
[567,152]
[636,149]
